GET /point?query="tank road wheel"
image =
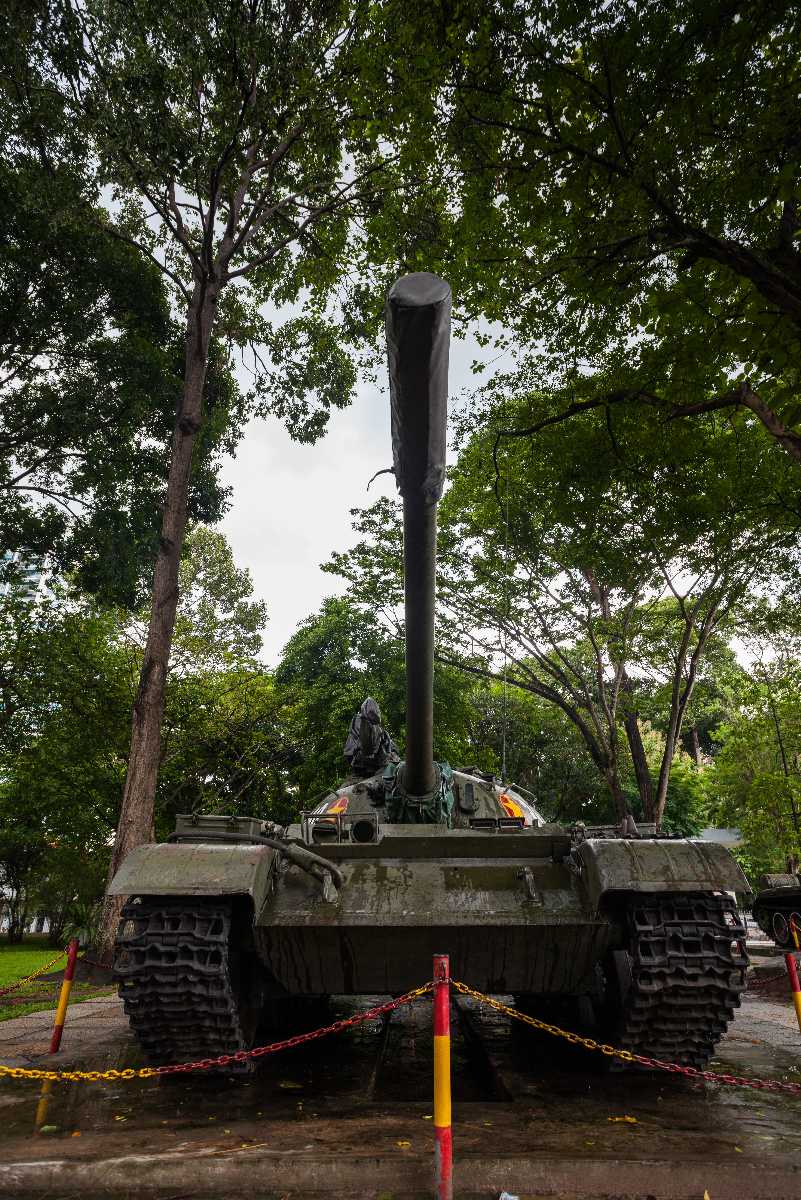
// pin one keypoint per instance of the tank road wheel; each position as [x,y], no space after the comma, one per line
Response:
[191,985]
[673,989]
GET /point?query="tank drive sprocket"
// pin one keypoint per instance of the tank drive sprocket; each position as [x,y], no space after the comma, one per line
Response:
[678,981]
[190,989]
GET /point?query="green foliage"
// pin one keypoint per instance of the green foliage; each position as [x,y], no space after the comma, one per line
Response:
[601,579]
[218,622]
[23,849]
[91,364]
[637,229]
[686,810]
[755,783]
[333,661]
[342,654]
[228,747]
[67,889]
[231,138]
[69,674]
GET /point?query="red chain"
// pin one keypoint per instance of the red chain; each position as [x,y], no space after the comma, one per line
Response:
[241,1056]
[93,962]
[758,983]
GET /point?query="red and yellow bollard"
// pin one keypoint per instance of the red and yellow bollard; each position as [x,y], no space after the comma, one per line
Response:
[792,970]
[443,1144]
[63,1000]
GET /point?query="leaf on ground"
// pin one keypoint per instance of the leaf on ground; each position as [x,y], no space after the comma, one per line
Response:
[623,1120]
[404,1145]
[288,1083]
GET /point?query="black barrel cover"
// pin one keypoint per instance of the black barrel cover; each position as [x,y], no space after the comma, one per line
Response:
[418,317]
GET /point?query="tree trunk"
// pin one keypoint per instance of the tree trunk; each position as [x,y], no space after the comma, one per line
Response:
[645,785]
[696,745]
[671,741]
[618,798]
[679,699]
[135,825]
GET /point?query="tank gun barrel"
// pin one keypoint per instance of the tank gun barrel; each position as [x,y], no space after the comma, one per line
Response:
[418,314]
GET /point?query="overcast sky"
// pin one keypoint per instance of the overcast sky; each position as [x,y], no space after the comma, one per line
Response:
[291,503]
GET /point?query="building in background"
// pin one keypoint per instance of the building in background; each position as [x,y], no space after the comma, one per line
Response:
[22,574]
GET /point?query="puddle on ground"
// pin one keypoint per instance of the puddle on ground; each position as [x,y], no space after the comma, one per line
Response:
[561,1098]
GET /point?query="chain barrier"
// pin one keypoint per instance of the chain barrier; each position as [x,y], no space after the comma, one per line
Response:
[89,962]
[93,962]
[29,979]
[242,1056]
[766,979]
[224,1060]
[628,1056]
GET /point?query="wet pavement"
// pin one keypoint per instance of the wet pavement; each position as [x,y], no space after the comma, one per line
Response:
[352,1114]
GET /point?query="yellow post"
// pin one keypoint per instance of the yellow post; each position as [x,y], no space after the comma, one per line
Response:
[64,998]
[44,1103]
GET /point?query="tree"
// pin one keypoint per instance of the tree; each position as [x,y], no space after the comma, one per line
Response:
[336,658]
[68,687]
[572,562]
[90,366]
[718,679]
[628,199]
[755,783]
[90,360]
[22,852]
[229,745]
[235,159]
[67,891]
[70,671]
[218,623]
[615,551]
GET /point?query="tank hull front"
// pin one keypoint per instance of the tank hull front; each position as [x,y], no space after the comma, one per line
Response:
[509,924]
[364,959]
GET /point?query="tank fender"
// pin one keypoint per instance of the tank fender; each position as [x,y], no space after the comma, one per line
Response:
[168,869]
[620,865]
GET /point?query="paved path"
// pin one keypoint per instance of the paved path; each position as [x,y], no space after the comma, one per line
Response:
[304,1128]
[25,1039]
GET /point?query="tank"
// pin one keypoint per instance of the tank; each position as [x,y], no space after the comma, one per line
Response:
[233,922]
[777,908]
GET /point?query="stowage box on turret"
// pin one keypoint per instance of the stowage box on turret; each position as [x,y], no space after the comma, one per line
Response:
[233,916]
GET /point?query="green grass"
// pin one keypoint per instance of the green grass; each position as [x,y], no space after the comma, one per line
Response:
[17,962]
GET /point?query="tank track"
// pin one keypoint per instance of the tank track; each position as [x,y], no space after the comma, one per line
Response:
[172,963]
[687,962]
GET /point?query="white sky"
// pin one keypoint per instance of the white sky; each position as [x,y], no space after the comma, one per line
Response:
[291,503]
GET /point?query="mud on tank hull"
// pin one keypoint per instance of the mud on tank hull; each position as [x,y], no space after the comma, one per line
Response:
[645,927]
